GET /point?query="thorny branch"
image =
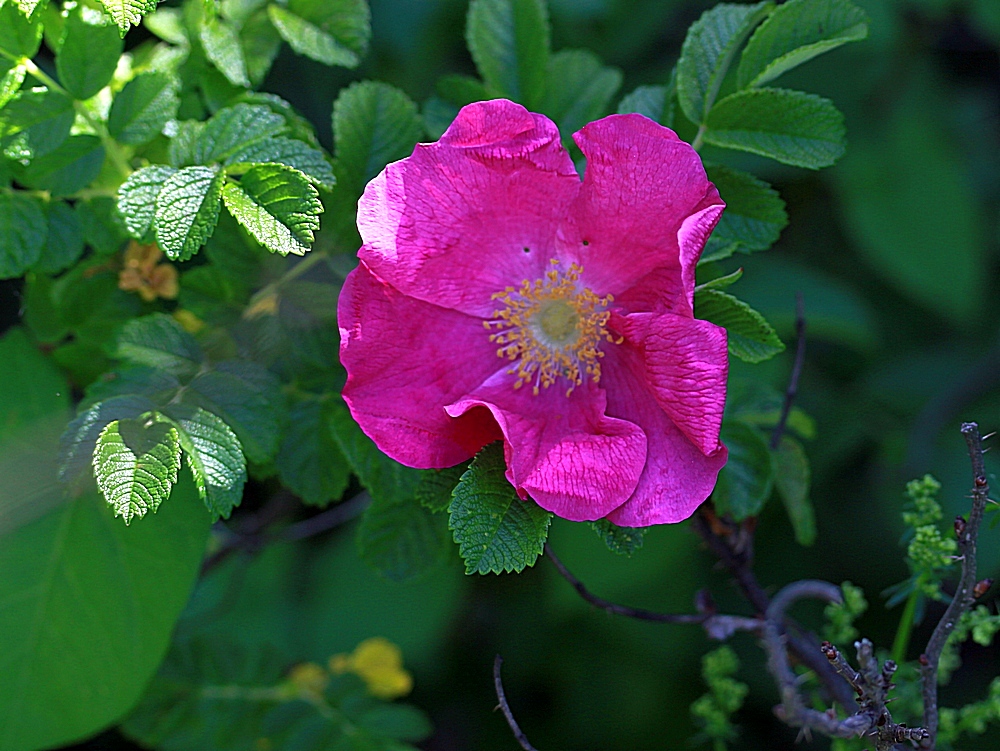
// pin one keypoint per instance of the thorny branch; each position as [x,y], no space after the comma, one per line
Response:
[968,534]
[505,707]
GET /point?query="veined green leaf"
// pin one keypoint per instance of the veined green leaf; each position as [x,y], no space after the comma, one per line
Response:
[70,167]
[798,31]
[579,89]
[310,40]
[308,160]
[143,107]
[373,124]
[708,51]
[750,337]
[89,53]
[214,455]
[127,13]
[495,530]
[261,43]
[235,128]
[745,482]
[400,538]
[64,242]
[791,478]
[309,462]
[23,230]
[620,540]
[436,486]
[721,282]
[34,123]
[509,42]
[187,209]
[277,205]
[221,43]
[103,228]
[158,341]
[792,127]
[136,463]
[754,215]
[76,447]
[137,198]
[19,35]
[655,102]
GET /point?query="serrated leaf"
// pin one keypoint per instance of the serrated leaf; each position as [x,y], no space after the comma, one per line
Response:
[222,47]
[70,167]
[754,215]
[137,198]
[28,6]
[23,230]
[400,538]
[141,109]
[187,209]
[721,282]
[579,89]
[127,13]
[214,455]
[436,486]
[509,42]
[798,31]
[19,36]
[307,159]
[310,40]
[745,482]
[136,463]
[620,540]
[76,446]
[261,44]
[232,129]
[158,341]
[277,205]
[655,102]
[495,530]
[751,338]
[64,240]
[309,462]
[791,478]
[10,82]
[133,380]
[792,127]
[373,124]
[708,51]
[34,123]
[89,53]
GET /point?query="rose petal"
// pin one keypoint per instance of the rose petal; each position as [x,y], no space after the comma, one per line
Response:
[472,214]
[677,477]
[563,450]
[406,360]
[645,204]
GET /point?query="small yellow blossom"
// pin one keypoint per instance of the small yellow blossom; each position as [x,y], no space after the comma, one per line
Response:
[379,663]
[142,272]
[309,678]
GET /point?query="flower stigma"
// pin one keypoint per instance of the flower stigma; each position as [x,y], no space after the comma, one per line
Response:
[551,328]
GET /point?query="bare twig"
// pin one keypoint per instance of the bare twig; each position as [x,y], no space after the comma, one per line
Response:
[519,735]
[964,598]
[793,382]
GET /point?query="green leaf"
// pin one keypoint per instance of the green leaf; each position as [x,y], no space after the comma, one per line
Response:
[495,530]
[187,209]
[750,337]
[33,388]
[10,82]
[137,198]
[128,13]
[70,167]
[277,205]
[754,215]
[158,341]
[76,447]
[708,51]
[792,127]
[746,480]
[655,102]
[400,538]
[791,478]
[400,721]
[579,89]
[19,36]
[798,31]
[136,463]
[214,455]
[308,160]
[232,129]
[23,230]
[621,540]
[310,40]
[141,109]
[721,282]
[28,6]
[34,123]
[222,47]
[309,462]
[509,42]
[89,53]
[462,90]
[436,486]
[373,124]
[89,609]
[103,228]
[64,241]
[261,44]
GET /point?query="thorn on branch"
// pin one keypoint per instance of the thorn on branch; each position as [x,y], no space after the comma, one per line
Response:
[504,707]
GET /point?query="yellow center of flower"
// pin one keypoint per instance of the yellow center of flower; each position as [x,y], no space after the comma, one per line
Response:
[551,328]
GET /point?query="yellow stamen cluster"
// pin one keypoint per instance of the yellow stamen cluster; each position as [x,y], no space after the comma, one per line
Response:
[551,328]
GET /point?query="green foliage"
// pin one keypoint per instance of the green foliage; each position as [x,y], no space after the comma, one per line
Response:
[713,710]
[309,462]
[509,42]
[754,215]
[187,210]
[128,13]
[495,530]
[621,540]
[746,481]
[88,54]
[840,616]
[981,625]
[333,32]
[578,89]
[973,718]
[141,109]
[750,337]
[655,102]
[23,231]
[791,480]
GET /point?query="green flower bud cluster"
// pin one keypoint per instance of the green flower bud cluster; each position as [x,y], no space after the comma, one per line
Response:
[840,616]
[712,711]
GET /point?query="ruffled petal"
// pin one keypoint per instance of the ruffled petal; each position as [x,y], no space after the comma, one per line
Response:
[563,451]
[472,214]
[646,204]
[685,364]
[406,360]
[677,477]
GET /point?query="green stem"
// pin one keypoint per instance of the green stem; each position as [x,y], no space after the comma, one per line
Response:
[699,138]
[905,628]
[313,257]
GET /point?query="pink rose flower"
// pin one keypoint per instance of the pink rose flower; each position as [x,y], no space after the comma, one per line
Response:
[499,297]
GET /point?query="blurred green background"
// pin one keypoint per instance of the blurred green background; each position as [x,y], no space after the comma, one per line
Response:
[895,251]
